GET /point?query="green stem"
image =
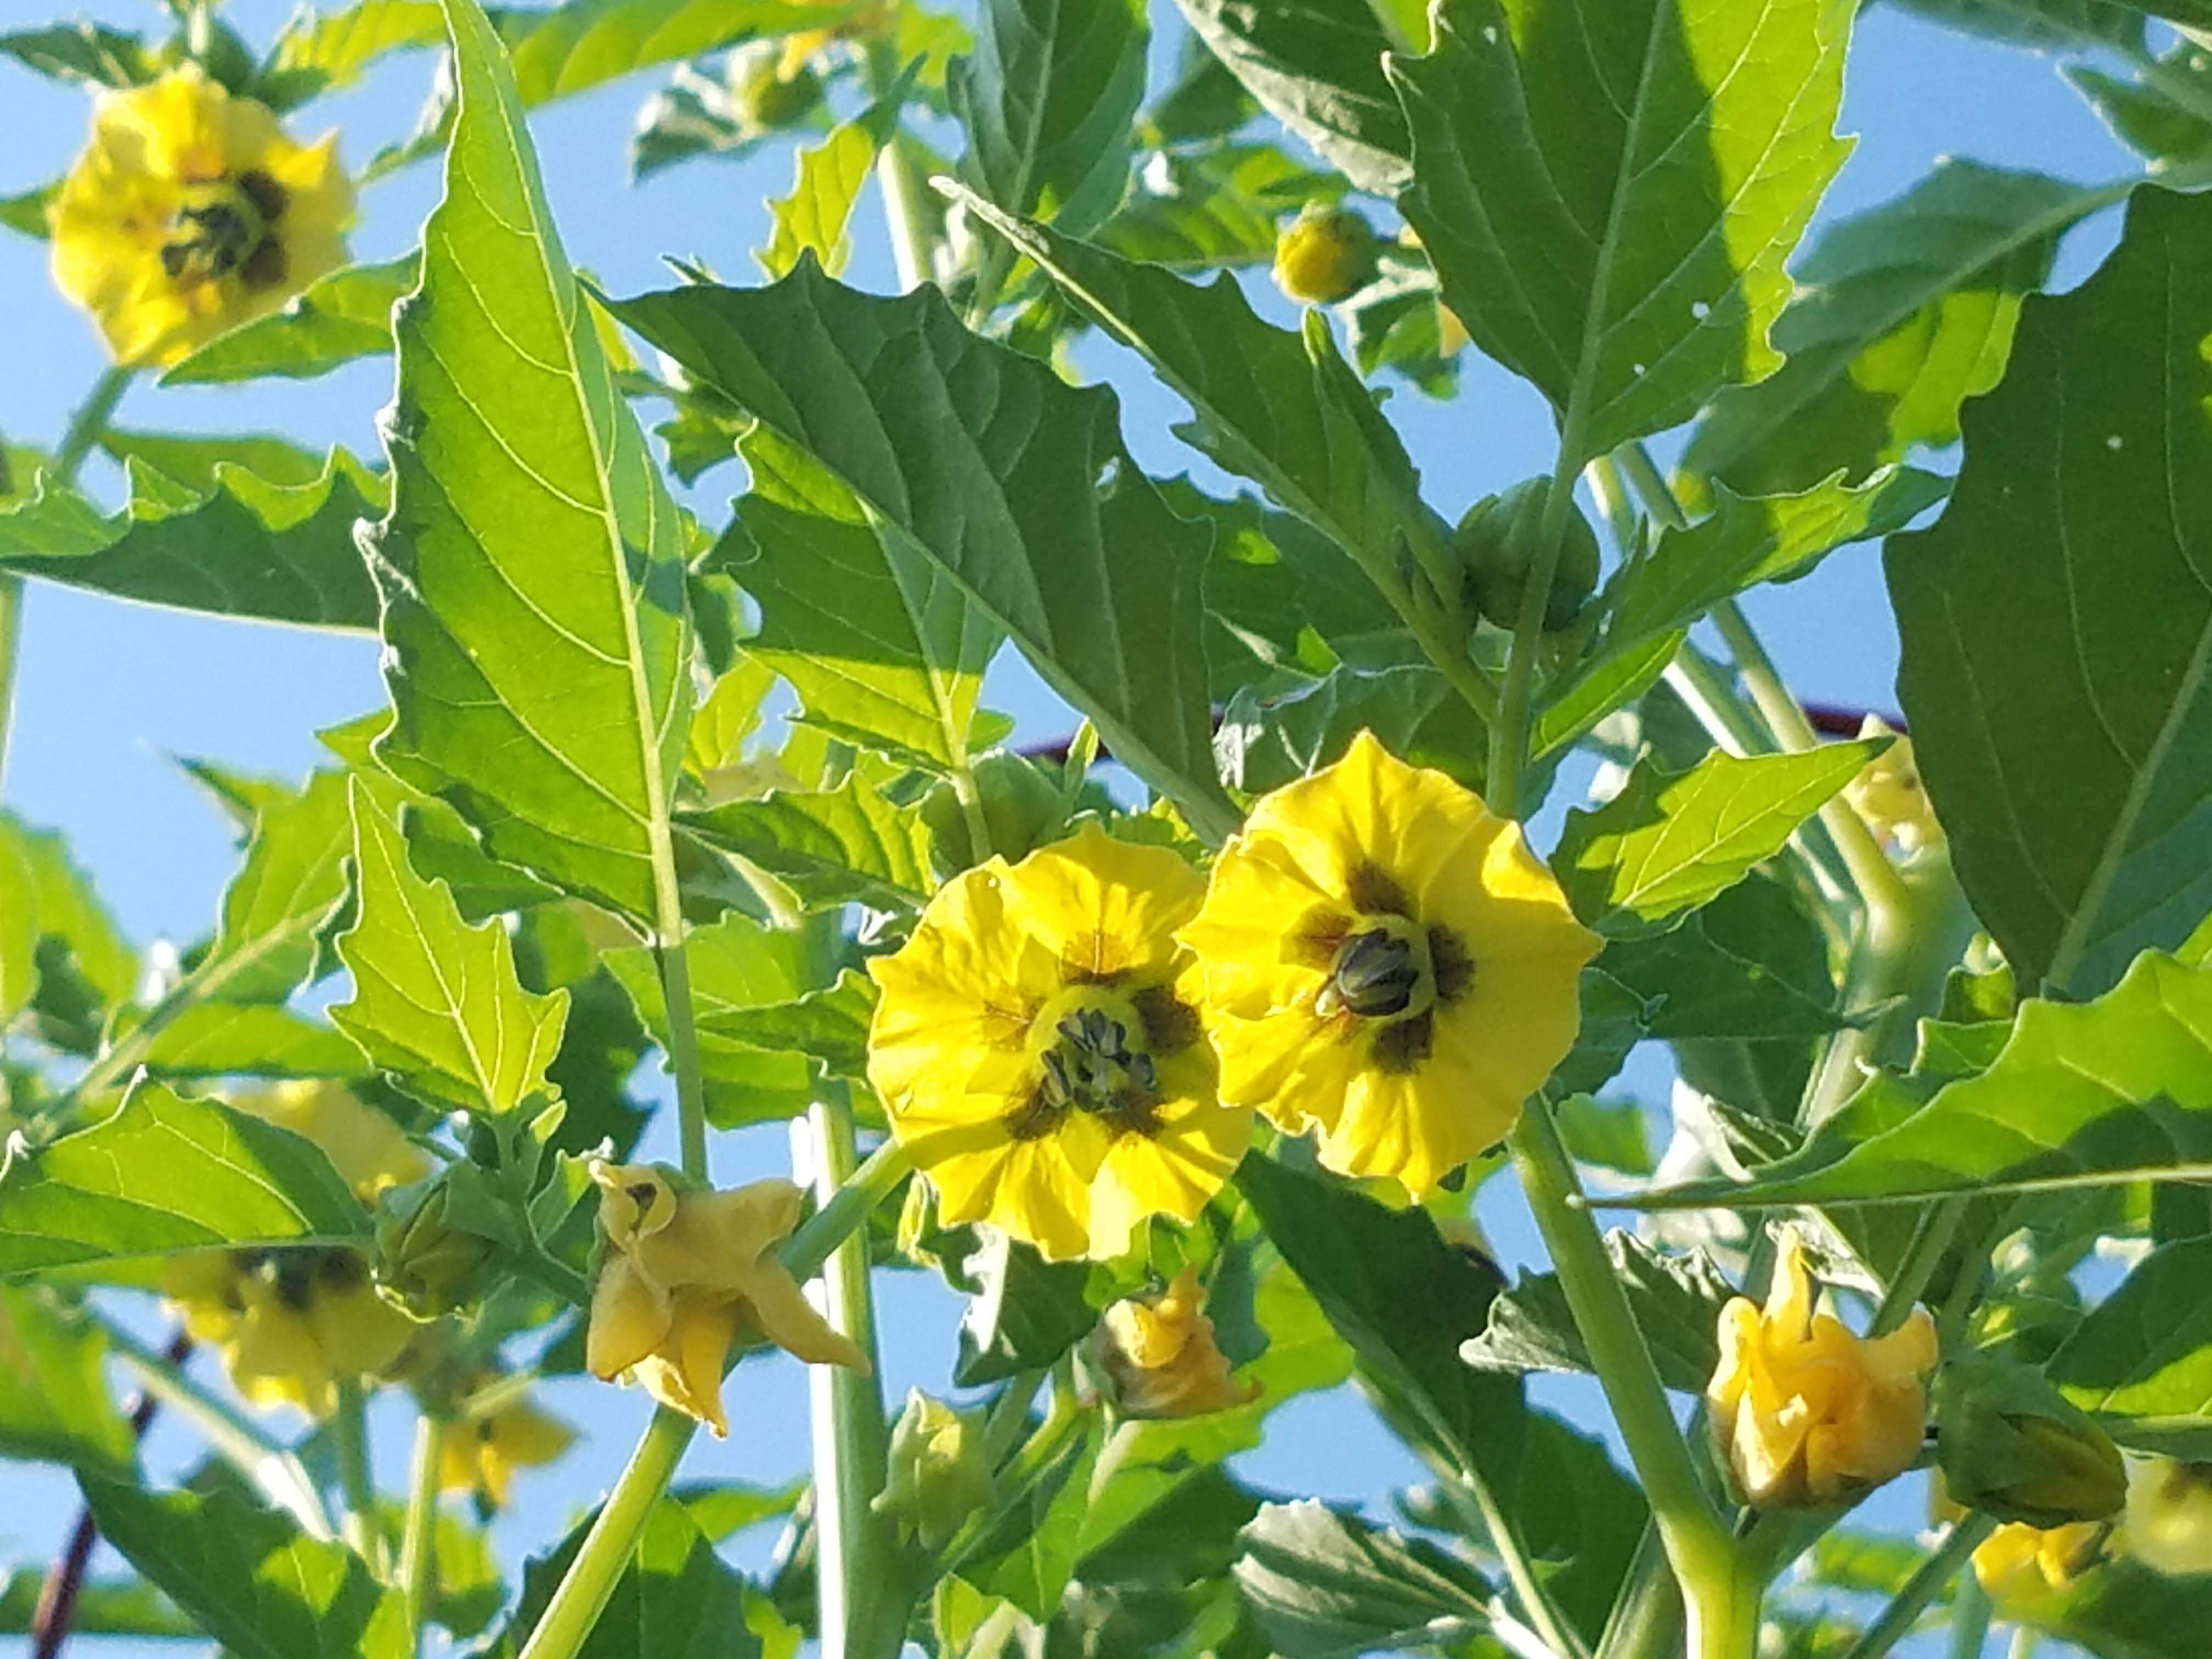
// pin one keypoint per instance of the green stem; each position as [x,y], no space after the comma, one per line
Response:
[1010,1414]
[845,1212]
[1970,1618]
[1516,712]
[684,1049]
[349,1438]
[1931,1240]
[88,424]
[905,192]
[418,1553]
[1652,486]
[1468,1492]
[11,634]
[1919,1592]
[2023,1643]
[1646,1621]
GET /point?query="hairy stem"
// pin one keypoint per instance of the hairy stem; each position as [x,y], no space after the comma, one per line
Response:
[1919,1592]
[419,1554]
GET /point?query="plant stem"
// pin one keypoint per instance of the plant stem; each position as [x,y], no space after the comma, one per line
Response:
[418,1553]
[1931,1240]
[1970,1618]
[684,1051]
[1471,1495]
[349,1436]
[2023,1643]
[1646,1621]
[1652,486]
[1010,1415]
[11,635]
[845,1212]
[88,424]
[1919,1592]
[1516,712]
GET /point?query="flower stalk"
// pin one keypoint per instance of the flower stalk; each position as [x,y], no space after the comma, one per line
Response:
[1914,1597]
[419,1554]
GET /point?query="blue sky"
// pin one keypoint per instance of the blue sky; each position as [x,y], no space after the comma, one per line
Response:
[110,693]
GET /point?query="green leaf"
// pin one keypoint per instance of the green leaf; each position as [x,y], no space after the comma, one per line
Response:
[723,1509]
[1614,1019]
[274,910]
[883,647]
[58,938]
[253,1581]
[1026,1312]
[2042,25]
[2168,131]
[1613,1134]
[1327,1586]
[2143,1359]
[574,47]
[2101,1092]
[1676,1299]
[1048,97]
[335,49]
[19,923]
[993,466]
[162,1174]
[1906,310]
[738,966]
[1749,966]
[335,319]
[2058,619]
[840,846]
[437,1003]
[251,1039]
[1609,198]
[1317,65]
[1415,713]
[26,212]
[2129,1611]
[828,1025]
[830,177]
[531,569]
[105,1606]
[243,546]
[54,1403]
[193,459]
[84,52]
[1669,842]
[1214,208]
[1752,539]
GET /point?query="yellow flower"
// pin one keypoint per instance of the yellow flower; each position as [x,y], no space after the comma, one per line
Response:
[1386,962]
[1888,794]
[939,1471]
[1162,1359]
[2018,1561]
[292,1323]
[188,212]
[482,1451]
[2167,1524]
[686,1270]
[1326,255]
[1806,1413]
[1038,1052]
[366,1147]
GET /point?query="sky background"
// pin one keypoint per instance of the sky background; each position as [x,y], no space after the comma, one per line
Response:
[110,694]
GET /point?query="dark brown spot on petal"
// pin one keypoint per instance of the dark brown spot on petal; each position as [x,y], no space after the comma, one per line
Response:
[265,193]
[1449,961]
[1170,1023]
[1036,1119]
[1374,892]
[642,1195]
[1400,1048]
[265,267]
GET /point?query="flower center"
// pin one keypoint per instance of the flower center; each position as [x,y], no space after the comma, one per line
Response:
[222,227]
[1090,1046]
[1382,972]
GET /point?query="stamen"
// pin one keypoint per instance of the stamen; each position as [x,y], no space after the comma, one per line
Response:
[1382,972]
[1092,1056]
[219,229]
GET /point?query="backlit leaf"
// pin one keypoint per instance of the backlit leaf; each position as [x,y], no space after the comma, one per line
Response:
[250,1039]
[837,847]
[54,1403]
[2143,1356]
[830,177]
[1676,1299]
[336,319]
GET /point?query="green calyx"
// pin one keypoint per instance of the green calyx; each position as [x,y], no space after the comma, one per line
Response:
[1496,543]
[2012,1446]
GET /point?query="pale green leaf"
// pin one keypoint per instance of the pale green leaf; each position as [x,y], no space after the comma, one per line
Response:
[1676,1299]
[837,846]
[243,546]
[1669,842]
[1328,1586]
[532,569]
[729,714]
[253,1581]
[58,938]
[19,923]
[2058,619]
[1217,207]
[574,47]
[438,1003]
[122,1605]
[250,1039]
[162,1174]
[1048,97]
[26,211]
[1609,192]
[828,1025]
[334,49]
[830,177]
[195,460]
[292,879]
[1016,484]
[335,319]
[54,1403]
[84,52]
[738,967]
[1903,312]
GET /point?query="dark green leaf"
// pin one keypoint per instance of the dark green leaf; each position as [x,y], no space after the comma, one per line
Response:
[1750,965]
[1614,1020]
[839,847]
[2145,114]
[1412,709]
[1220,208]
[54,1404]
[1614,1134]
[1676,1299]
[26,213]
[830,1026]
[97,58]
[2043,25]
[2058,619]
[1026,1312]
[1327,1586]
[105,1606]
[334,320]
[2143,1359]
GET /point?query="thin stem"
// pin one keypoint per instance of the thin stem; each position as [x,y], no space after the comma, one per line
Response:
[1468,1493]
[971,811]
[2024,1639]
[418,1553]
[1652,486]
[11,634]
[847,1211]
[684,1051]
[905,192]
[1970,1618]
[1516,712]
[1931,1239]
[349,1438]
[1010,1414]
[90,423]
[1646,1621]
[1919,1592]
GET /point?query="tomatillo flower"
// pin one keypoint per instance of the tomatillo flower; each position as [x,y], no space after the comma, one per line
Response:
[1386,962]
[1038,1052]
[292,1323]
[685,1271]
[366,1148]
[2017,1561]
[1890,794]
[1804,1411]
[481,1451]
[1326,255]
[189,211]
[1161,1357]
[2168,1523]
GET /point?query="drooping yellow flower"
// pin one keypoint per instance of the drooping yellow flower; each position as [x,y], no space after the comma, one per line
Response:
[2017,1561]
[1325,255]
[1804,1411]
[685,1272]
[2167,1524]
[482,1450]
[1385,961]
[1161,1357]
[1890,795]
[292,1323]
[363,1146]
[190,211]
[1038,1052]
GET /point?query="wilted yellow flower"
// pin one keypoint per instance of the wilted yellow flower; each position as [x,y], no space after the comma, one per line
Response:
[1888,793]
[1452,337]
[482,1450]
[939,1472]
[1806,1413]
[188,212]
[363,1146]
[1326,254]
[686,1270]
[2167,1524]
[1162,1359]
[2018,1561]
[292,1323]
[1037,1048]
[1386,962]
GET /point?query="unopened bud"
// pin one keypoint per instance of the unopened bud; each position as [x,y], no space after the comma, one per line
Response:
[1327,255]
[439,1241]
[767,92]
[939,1476]
[2011,1446]
[1497,544]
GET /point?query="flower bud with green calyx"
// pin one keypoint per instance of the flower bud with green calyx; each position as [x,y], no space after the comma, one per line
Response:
[2011,1446]
[767,93]
[939,1476]
[1326,254]
[440,1242]
[1498,544]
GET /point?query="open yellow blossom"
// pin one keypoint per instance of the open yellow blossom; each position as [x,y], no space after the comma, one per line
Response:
[2168,1523]
[1161,1357]
[1889,794]
[292,1323]
[686,1271]
[190,211]
[1038,1052]
[1386,962]
[482,1450]
[2017,1561]
[1804,1411]
[363,1146]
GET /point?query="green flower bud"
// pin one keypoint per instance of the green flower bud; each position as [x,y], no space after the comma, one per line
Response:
[767,92]
[938,1475]
[1496,546]
[439,1241]
[2011,1446]
[1328,254]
